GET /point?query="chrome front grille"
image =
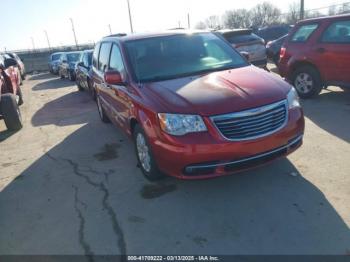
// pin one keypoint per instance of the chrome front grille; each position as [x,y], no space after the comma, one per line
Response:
[252,123]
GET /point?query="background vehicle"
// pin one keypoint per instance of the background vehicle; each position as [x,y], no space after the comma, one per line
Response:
[66,67]
[10,67]
[273,49]
[271,33]
[54,61]
[21,65]
[316,54]
[244,40]
[83,73]
[193,105]
[9,108]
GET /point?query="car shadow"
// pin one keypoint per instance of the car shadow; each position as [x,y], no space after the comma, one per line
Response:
[5,134]
[86,195]
[330,111]
[52,83]
[42,76]
[69,109]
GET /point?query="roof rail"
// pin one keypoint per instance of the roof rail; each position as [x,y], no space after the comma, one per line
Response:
[116,35]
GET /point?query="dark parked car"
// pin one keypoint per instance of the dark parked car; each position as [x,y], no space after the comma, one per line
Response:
[9,95]
[20,63]
[54,61]
[271,33]
[83,73]
[245,41]
[273,49]
[316,54]
[193,105]
[68,61]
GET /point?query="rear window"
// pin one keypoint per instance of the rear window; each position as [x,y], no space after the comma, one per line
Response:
[304,32]
[55,57]
[241,38]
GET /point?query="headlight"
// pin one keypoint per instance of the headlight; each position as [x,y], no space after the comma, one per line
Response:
[293,99]
[178,125]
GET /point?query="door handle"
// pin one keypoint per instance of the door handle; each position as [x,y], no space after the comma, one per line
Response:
[321,50]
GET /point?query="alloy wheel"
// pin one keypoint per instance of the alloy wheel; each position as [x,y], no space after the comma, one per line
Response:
[143,152]
[303,83]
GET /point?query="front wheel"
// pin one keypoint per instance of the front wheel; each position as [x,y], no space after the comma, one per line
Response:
[11,113]
[101,111]
[145,156]
[307,81]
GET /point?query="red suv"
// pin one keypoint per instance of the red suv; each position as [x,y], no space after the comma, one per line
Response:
[316,54]
[193,105]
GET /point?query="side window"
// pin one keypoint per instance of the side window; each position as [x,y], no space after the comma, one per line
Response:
[304,32]
[95,55]
[104,56]
[116,61]
[85,60]
[337,32]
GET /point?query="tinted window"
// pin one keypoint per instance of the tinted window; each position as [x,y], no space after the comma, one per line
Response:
[55,57]
[87,59]
[241,38]
[338,32]
[303,33]
[116,62]
[167,57]
[104,56]
[73,57]
[95,55]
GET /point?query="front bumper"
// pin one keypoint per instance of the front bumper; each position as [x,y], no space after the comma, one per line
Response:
[208,154]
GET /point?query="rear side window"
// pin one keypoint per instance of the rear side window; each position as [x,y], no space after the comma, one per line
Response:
[304,32]
[337,32]
[95,55]
[104,56]
[241,38]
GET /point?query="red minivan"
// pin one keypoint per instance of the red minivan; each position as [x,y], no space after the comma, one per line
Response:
[316,54]
[193,105]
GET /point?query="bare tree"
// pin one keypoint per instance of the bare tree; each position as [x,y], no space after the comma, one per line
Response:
[238,18]
[213,22]
[293,14]
[201,25]
[313,14]
[265,14]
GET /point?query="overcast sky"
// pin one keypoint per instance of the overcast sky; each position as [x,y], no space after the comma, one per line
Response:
[23,19]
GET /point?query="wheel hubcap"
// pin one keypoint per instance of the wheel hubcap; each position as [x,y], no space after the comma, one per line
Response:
[143,152]
[303,83]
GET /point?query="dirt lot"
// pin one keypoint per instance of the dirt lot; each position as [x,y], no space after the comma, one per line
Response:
[69,184]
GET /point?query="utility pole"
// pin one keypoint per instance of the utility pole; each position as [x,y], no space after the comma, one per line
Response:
[33,44]
[47,38]
[301,9]
[110,29]
[75,37]
[130,20]
[179,24]
[188,21]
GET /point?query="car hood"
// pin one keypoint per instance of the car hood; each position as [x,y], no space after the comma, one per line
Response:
[217,93]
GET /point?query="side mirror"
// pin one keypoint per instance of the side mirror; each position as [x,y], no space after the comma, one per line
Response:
[245,55]
[10,62]
[113,78]
[81,64]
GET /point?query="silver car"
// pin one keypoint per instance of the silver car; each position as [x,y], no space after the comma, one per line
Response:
[244,40]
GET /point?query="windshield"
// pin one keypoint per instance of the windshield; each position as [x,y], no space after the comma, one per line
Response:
[167,57]
[73,57]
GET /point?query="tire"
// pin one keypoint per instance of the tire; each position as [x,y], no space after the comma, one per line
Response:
[102,112]
[145,157]
[20,95]
[60,74]
[307,81]
[80,88]
[71,76]
[91,89]
[10,112]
